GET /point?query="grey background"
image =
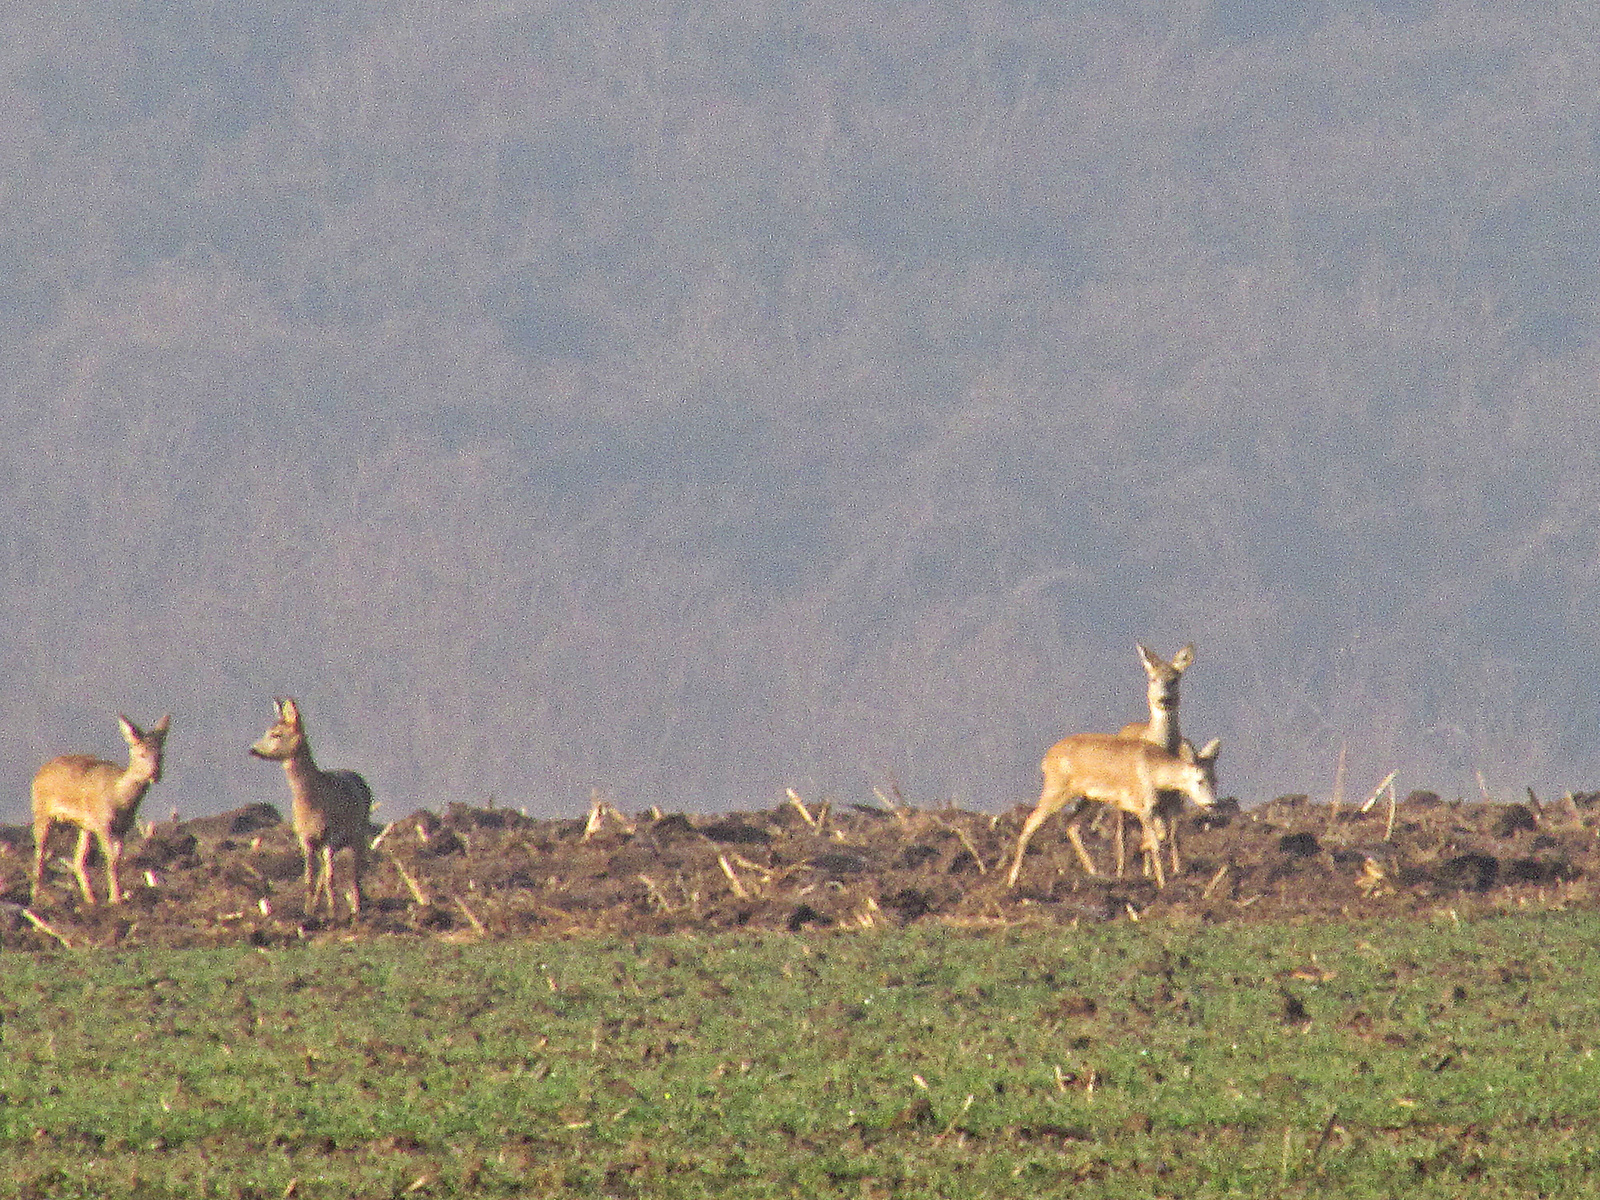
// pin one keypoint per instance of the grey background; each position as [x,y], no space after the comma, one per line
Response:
[694,400]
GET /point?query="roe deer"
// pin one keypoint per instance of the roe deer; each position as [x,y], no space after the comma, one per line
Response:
[1124,773]
[1169,804]
[100,798]
[1162,727]
[331,808]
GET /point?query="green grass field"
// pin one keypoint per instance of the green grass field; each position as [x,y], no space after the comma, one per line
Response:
[1443,1059]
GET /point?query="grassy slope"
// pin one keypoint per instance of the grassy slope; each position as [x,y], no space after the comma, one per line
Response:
[1120,1060]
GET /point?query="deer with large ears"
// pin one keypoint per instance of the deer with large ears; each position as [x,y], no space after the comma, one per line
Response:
[1125,773]
[332,809]
[1162,727]
[100,798]
[1160,730]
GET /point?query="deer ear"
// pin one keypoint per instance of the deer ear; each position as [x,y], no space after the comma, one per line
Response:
[289,711]
[130,731]
[159,729]
[1211,750]
[1152,664]
[1183,659]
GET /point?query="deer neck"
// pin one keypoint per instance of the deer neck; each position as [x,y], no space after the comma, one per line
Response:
[130,784]
[302,771]
[1163,727]
[126,792]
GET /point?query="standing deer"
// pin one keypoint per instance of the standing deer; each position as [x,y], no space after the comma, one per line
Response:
[331,808]
[1160,730]
[1124,773]
[100,798]
[1162,727]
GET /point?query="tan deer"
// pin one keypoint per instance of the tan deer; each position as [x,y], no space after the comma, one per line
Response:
[1124,773]
[100,798]
[1162,727]
[1169,804]
[331,808]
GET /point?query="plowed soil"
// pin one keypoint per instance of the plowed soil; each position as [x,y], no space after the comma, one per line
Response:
[494,873]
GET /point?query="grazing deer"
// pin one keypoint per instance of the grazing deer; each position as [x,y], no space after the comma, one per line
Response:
[331,808]
[1169,804]
[100,798]
[1124,773]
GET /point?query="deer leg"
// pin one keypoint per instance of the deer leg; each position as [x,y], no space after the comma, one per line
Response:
[1152,847]
[1077,844]
[1122,852]
[80,866]
[310,854]
[325,888]
[40,837]
[1035,819]
[111,851]
[1033,822]
[359,861]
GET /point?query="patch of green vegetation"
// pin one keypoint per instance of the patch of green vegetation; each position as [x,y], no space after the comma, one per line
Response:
[1122,1060]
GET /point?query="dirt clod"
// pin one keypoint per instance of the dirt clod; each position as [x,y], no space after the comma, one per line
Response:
[235,879]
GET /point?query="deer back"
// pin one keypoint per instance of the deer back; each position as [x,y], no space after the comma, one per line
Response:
[78,788]
[1126,772]
[95,794]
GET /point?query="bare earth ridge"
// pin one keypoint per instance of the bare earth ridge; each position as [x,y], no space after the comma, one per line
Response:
[491,872]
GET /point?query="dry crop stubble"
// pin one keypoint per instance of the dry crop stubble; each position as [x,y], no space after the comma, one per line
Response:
[491,873]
